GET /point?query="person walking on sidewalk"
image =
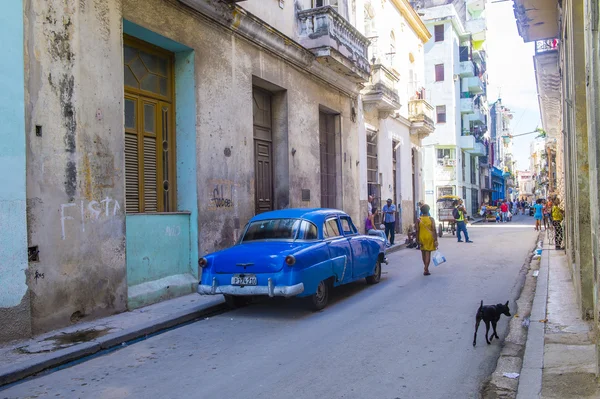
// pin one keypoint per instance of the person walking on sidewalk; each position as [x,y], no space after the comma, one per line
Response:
[389,219]
[538,214]
[427,237]
[557,218]
[459,214]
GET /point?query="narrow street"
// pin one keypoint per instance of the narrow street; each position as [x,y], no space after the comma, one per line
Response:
[408,337]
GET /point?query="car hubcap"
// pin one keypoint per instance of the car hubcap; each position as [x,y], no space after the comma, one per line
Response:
[320,294]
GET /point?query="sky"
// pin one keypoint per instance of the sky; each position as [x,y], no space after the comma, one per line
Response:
[511,76]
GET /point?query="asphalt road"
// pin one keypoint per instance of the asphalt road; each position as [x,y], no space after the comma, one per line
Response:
[408,337]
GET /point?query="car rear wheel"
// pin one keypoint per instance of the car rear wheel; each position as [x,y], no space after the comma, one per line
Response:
[234,301]
[440,230]
[376,277]
[319,299]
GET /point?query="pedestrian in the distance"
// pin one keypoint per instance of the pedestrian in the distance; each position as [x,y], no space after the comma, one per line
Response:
[427,237]
[504,210]
[459,214]
[389,219]
[370,226]
[538,207]
[546,214]
[557,218]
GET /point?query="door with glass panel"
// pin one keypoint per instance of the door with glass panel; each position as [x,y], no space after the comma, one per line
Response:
[149,128]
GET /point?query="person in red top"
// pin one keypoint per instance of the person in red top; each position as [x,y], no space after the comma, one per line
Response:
[504,210]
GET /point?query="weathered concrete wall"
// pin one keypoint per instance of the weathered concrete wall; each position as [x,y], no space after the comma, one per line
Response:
[226,67]
[14,298]
[583,229]
[75,184]
[593,119]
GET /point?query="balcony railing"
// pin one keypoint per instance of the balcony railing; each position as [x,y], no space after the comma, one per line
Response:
[466,68]
[477,28]
[466,106]
[335,42]
[545,46]
[473,84]
[381,90]
[420,115]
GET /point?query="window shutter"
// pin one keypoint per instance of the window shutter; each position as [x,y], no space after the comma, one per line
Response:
[132,199]
[439,33]
[150,167]
[439,72]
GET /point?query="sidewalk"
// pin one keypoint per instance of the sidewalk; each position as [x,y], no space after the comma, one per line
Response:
[560,356]
[21,359]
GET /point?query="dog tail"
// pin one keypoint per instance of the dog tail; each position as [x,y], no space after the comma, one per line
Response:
[480,310]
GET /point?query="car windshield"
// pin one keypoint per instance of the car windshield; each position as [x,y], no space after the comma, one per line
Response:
[272,229]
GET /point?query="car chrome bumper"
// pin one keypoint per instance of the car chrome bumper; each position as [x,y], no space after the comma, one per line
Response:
[271,289]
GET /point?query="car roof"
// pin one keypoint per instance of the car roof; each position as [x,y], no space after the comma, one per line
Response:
[316,215]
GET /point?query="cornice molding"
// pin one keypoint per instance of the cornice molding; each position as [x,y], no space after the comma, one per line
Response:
[255,30]
[413,19]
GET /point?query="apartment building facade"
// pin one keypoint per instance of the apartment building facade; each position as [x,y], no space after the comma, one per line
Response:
[395,111]
[456,79]
[153,130]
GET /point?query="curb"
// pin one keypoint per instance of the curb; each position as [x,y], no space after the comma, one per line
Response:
[78,351]
[395,248]
[530,381]
[515,350]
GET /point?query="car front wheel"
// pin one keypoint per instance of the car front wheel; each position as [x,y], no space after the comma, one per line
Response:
[319,299]
[376,277]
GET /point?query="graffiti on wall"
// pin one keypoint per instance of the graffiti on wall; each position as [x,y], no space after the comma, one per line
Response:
[86,210]
[221,194]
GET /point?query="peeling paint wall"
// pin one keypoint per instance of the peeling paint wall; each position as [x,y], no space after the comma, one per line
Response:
[75,184]
[14,299]
[225,67]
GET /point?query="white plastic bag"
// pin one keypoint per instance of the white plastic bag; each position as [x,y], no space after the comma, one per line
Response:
[438,258]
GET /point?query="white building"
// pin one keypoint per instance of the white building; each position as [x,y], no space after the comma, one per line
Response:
[526,185]
[456,79]
[395,113]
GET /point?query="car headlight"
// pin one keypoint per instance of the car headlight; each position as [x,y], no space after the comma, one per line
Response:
[202,262]
[290,260]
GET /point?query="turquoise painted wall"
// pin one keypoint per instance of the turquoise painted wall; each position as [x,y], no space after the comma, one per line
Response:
[13,218]
[147,238]
[157,246]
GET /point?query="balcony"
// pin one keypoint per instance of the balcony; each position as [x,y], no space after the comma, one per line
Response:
[467,143]
[466,69]
[420,115]
[478,149]
[544,46]
[477,28]
[473,85]
[466,106]
[381,91]
[478,117]
[335,42]
[475,5]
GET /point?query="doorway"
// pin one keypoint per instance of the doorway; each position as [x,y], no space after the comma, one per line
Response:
[263,150]
[328,155]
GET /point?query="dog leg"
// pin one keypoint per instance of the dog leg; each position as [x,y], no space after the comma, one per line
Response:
[495,333]
[487,330]
[477,321]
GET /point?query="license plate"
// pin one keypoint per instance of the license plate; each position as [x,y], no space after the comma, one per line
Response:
[244,279]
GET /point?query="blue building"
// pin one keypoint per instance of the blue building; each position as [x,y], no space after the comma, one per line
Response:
[498,185]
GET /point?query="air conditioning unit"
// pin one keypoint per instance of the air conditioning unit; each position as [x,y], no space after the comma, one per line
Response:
[450,162]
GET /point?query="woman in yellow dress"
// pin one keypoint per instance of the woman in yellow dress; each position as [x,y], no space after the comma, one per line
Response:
[427,237]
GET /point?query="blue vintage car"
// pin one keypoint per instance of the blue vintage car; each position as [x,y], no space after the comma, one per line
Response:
[293,252]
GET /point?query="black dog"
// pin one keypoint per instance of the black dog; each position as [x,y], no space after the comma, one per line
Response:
[490,313]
